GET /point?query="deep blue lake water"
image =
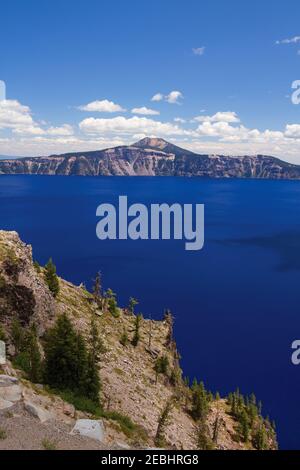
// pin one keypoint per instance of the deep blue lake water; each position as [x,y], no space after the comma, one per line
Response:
[236,302]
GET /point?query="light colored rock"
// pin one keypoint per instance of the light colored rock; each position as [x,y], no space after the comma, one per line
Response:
[4,404]
[69,410]
[2,353]
[118,445]
[9,389]
[89,428]
[35,410]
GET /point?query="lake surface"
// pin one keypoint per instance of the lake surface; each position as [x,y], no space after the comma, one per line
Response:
[236,302]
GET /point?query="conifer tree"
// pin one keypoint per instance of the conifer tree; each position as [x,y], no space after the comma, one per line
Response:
[136,337]
[244,425]
[35,359]
[124,340]
[132,303]
[51,278]
[96,343]
[203,440]
[200,404]
[17,335]
[163,422]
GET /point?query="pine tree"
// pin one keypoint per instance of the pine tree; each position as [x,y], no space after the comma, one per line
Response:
[17,335]
[132,303]
[35,359]
[137,337]
[112,303]
[203,440]
[51,278]
[61,355]
[260,439]
[200,404]
[244,425]
[97,346]
[92,380]
[68,363]
[163,422]
[161,366]
[124,340]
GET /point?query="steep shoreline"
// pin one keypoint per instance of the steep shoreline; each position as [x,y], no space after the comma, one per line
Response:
[152,157]
[134,390]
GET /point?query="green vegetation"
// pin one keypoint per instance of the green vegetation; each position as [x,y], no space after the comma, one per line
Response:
[2,334]
[112,303]
[3,434]
[124,340]
[28,357]
[163,422]
[68,363]
[51,278]
[252,427]
[203,440]
[137,325]
[37,267]
[200,401]
[161,366]
[132,303]
[48,444]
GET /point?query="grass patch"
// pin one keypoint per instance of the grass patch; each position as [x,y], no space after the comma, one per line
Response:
[3,434]
[128,427]
[48,444]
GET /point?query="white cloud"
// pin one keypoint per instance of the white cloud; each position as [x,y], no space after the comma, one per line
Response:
[173,97]
[64,130]
[145,111]
[198,50]
[103,106]
[133,125]
[221,116]
[157,97]
[293,40]
[180,120]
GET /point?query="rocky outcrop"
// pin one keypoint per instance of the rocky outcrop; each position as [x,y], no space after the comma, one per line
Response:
[133,393]
[23,293]
[152,157]
[89,428]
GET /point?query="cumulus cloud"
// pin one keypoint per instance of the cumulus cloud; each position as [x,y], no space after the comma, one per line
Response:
[221,116]
[173,97]
[180,120]
[293,40]
[145,111]
[133,125]
[103,106]
[198,50]
[157,97]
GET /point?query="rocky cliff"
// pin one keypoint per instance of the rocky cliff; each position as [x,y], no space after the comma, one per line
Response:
[152,157]
[134,393]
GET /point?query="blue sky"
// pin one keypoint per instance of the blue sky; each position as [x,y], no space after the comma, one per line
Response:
[58,58]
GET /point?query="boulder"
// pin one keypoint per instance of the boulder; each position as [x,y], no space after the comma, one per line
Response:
[89,428]
[10,390]
[69,410]
[4,404]
[38,412]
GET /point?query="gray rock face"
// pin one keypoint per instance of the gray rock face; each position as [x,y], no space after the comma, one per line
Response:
[5,404]
[38,412]
[89,428]
[23,292]
[10,390]
[153,157]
